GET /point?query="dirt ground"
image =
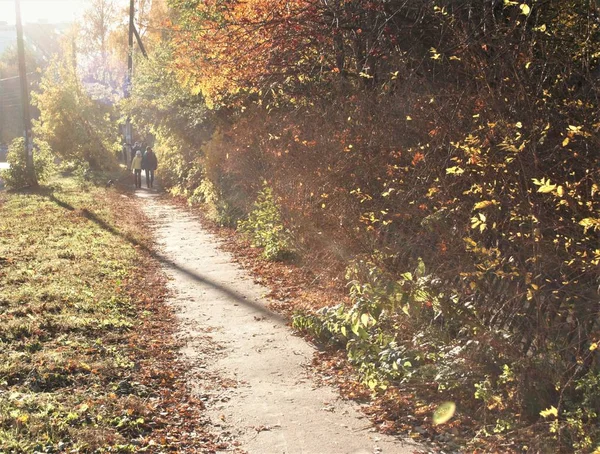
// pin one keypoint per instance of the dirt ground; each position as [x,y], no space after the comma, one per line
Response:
[247,366]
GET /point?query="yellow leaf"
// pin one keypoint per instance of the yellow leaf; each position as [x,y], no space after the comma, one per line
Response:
[454,171]
[590,223]
[565,142]
[444,413]
[529,294]
[594,346]
[525,9]
[484,204]
[23,419]
[544,185]
[552,411]
[408,118]
[547,188]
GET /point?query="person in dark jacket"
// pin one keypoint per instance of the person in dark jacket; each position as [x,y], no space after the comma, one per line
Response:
[149,164]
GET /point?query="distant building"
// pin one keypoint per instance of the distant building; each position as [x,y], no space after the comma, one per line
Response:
[41,41]
[8,36]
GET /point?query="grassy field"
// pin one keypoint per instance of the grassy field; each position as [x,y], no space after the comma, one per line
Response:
[87,363]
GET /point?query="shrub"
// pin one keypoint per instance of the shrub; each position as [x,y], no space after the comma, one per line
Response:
[371,329]
[265,228]
[217,208]
[16,176]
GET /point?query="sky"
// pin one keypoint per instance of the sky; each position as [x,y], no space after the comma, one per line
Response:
[49,11]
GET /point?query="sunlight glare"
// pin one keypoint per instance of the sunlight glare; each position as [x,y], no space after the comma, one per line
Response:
[42,11]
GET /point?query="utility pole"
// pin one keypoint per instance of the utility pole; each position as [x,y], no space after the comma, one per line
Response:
[132,31]
[129,79]
[29,168]
[131,27]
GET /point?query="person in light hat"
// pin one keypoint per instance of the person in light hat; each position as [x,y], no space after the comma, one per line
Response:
[136,166]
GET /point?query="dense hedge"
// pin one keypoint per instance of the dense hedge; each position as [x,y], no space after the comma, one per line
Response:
[458,137]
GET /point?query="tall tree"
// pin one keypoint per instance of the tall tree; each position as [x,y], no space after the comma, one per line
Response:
[77,127]
[100,18]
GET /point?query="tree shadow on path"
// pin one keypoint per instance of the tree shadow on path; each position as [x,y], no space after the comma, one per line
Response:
[237,296]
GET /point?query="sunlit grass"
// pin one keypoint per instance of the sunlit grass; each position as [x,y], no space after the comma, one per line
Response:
[67,262]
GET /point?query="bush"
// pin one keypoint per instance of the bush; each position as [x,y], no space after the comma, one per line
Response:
[217,208]
[265,228]
[16,176]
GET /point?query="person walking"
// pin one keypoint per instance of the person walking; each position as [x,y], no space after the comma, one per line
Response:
[149,164]
[136,165]
[134,149]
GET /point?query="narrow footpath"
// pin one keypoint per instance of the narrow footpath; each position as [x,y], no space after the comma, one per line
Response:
[247,366]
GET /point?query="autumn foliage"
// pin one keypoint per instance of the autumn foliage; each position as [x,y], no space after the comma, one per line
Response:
[459,135]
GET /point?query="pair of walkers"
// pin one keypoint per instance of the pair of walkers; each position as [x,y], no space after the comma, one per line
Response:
[146,162]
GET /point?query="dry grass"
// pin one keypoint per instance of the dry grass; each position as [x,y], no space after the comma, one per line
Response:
[87,363]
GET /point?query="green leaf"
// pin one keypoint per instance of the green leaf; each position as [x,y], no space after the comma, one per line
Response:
[420,271]
[364,318]
[362,333]
[408,276]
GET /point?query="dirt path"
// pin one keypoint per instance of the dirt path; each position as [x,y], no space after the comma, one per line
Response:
[248,367]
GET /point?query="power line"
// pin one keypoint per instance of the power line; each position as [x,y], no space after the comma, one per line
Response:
[16,77]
